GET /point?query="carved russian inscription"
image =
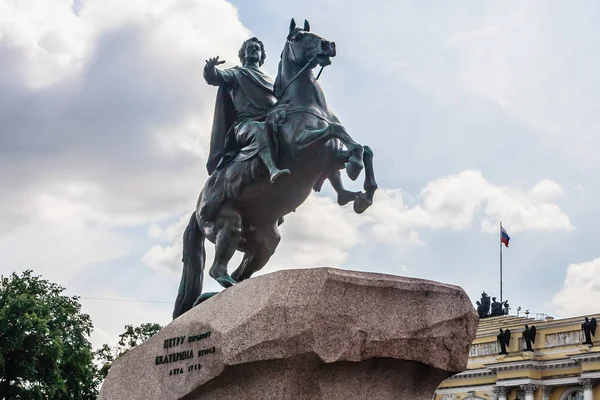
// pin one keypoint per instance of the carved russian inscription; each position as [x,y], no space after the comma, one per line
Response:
[176,354]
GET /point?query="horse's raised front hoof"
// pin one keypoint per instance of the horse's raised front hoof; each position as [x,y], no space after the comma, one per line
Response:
[346,196]
[362,202]
[353,167]
[225,281]
[203,297]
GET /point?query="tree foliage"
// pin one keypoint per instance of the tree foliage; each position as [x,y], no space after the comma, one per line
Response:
[44,348]
[132,336]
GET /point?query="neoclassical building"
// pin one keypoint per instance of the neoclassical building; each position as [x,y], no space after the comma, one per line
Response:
[559,368]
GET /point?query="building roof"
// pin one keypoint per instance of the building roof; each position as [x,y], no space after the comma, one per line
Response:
[559,358]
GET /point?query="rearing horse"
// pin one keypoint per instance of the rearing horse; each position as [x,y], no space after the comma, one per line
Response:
[309,136]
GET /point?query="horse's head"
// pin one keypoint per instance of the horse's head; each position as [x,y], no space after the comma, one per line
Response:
[304,47]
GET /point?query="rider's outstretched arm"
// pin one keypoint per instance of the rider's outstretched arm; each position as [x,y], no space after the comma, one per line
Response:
[214,76]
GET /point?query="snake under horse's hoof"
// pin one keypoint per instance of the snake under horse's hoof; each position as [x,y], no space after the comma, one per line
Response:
[203,297]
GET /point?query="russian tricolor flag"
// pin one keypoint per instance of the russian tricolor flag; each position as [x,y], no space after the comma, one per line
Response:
[504,238]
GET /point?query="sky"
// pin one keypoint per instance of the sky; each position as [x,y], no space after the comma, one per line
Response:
[477,112]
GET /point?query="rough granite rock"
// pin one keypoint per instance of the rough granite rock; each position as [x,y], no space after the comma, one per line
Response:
[305,334]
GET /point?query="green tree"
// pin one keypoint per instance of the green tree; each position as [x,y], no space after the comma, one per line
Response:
[132,336]
[44,348]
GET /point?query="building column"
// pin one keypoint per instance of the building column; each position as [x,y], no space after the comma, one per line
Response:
[500,392]
[588,387]
[529,391]
[546,390]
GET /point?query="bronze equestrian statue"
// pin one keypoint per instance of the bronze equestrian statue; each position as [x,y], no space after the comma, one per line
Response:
[271,144]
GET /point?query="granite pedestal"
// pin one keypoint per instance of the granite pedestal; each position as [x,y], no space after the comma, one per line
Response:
[305,334]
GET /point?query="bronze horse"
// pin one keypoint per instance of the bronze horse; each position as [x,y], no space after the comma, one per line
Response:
[309,137]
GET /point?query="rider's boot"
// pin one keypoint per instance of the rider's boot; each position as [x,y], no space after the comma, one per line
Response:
[274,172]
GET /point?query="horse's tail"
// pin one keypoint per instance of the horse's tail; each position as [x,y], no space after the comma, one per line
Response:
[192,275]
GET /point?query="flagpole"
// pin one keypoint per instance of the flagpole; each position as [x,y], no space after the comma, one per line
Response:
[500,261]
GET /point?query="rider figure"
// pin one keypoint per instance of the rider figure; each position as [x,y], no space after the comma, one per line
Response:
[250,91]
[244,97]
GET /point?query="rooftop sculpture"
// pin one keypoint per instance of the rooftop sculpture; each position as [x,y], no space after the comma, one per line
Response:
[497,308]
[589,330]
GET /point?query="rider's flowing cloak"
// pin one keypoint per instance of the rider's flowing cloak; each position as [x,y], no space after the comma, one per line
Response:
[253,83]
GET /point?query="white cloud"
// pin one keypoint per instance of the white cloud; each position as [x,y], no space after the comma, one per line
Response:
[55,42]
[546,190]
[321,233]
[580,293]
[167,257]
[61,241]
[116,104]
[50,38]
[116,108]
[105,117]
[537,74]
[392,220]
[457,201]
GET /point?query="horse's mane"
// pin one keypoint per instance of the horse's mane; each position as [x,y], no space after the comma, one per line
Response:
[277,86]
[284,53]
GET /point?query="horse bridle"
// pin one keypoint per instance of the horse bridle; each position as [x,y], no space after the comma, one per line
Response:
[301,71]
